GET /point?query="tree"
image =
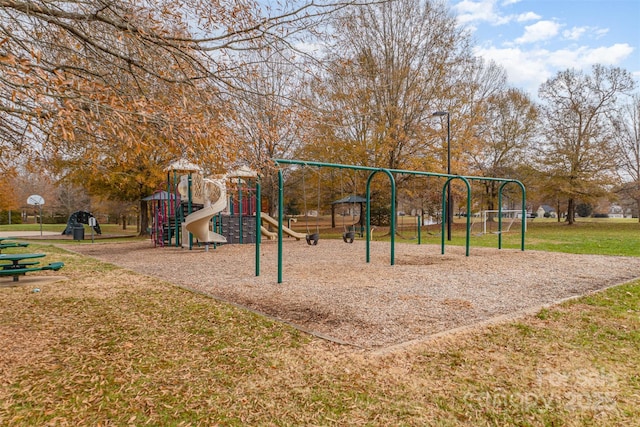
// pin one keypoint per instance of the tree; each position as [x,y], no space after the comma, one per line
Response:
[122,75]
[474,84]
[627,136]
[584,209]
[507,130]
[9,200]
[65,63]
[392,66]
[579,155]
[266,119]
[44,44]
[390,63]
[71,198]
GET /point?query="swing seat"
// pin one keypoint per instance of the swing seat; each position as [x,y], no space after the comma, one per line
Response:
[348,237]
[312,239]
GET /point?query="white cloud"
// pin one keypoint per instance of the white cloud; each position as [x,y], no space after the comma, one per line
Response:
[601,32]
[470,11]
[530,68]
[585,57]
[527,16]
[525,69]
[574,33]
[541,30]
[533,53]
[612,55]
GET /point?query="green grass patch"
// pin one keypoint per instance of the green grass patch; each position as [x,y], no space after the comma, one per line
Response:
[587,236]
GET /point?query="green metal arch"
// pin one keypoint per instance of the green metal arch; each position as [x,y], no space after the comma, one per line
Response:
[389,173]
[392,225]
[524,212]
[444,209]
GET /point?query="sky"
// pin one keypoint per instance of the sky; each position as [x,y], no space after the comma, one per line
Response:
[534,39]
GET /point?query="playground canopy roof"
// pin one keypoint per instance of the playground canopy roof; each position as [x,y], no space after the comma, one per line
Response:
[159,195]
[350,199]
[183,165]
[243,171]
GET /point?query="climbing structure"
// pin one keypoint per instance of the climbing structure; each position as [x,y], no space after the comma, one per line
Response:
[80,217]
[205,210]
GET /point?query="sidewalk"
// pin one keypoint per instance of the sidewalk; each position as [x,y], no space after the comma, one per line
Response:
[18,234]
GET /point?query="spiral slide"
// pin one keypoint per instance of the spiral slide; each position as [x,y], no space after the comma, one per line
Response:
[197,223]
[286,230]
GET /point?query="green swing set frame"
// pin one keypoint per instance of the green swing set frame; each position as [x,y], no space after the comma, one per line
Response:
[390,174]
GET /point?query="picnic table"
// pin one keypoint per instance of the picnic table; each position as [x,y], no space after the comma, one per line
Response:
[6,245]
[24,263]
[16,260]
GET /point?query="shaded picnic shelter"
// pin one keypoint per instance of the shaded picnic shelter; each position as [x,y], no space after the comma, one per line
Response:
[349,200]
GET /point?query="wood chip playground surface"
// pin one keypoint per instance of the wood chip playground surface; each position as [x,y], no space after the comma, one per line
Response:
[330,291]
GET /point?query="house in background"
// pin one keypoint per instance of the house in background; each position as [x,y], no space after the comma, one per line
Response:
[616,211]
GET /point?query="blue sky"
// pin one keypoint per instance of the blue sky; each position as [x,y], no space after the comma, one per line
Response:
[534,39]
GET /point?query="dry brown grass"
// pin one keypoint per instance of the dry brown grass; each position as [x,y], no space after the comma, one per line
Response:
[329,290]
[109,346]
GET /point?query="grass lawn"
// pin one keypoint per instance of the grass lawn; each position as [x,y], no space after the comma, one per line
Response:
[586,236]
[111,347]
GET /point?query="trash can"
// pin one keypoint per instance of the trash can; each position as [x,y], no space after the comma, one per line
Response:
[78,232]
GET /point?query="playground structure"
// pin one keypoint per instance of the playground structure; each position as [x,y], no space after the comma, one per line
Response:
[81,217]
[265,218]
[393,217]
[193,208]
[211,194]
[200,210]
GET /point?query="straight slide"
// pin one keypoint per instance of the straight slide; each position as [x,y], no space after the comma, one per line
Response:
[286,230]
[268,234]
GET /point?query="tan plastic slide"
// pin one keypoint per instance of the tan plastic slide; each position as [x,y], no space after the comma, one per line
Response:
[268,234]
[286,230]
[197,223]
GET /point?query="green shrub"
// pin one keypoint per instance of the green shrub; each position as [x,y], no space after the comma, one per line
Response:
[380,215]
[16,218]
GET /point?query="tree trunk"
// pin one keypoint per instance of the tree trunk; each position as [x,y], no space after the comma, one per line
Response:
[489,195]
[571,212]
[270,190]
[333,216]
[144,218]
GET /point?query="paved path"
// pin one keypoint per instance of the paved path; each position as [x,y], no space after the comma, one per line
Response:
[27,233]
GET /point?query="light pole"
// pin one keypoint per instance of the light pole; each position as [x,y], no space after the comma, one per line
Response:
[449,212]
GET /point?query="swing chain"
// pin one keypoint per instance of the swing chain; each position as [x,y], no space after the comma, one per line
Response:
[311,238]
[348,236]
